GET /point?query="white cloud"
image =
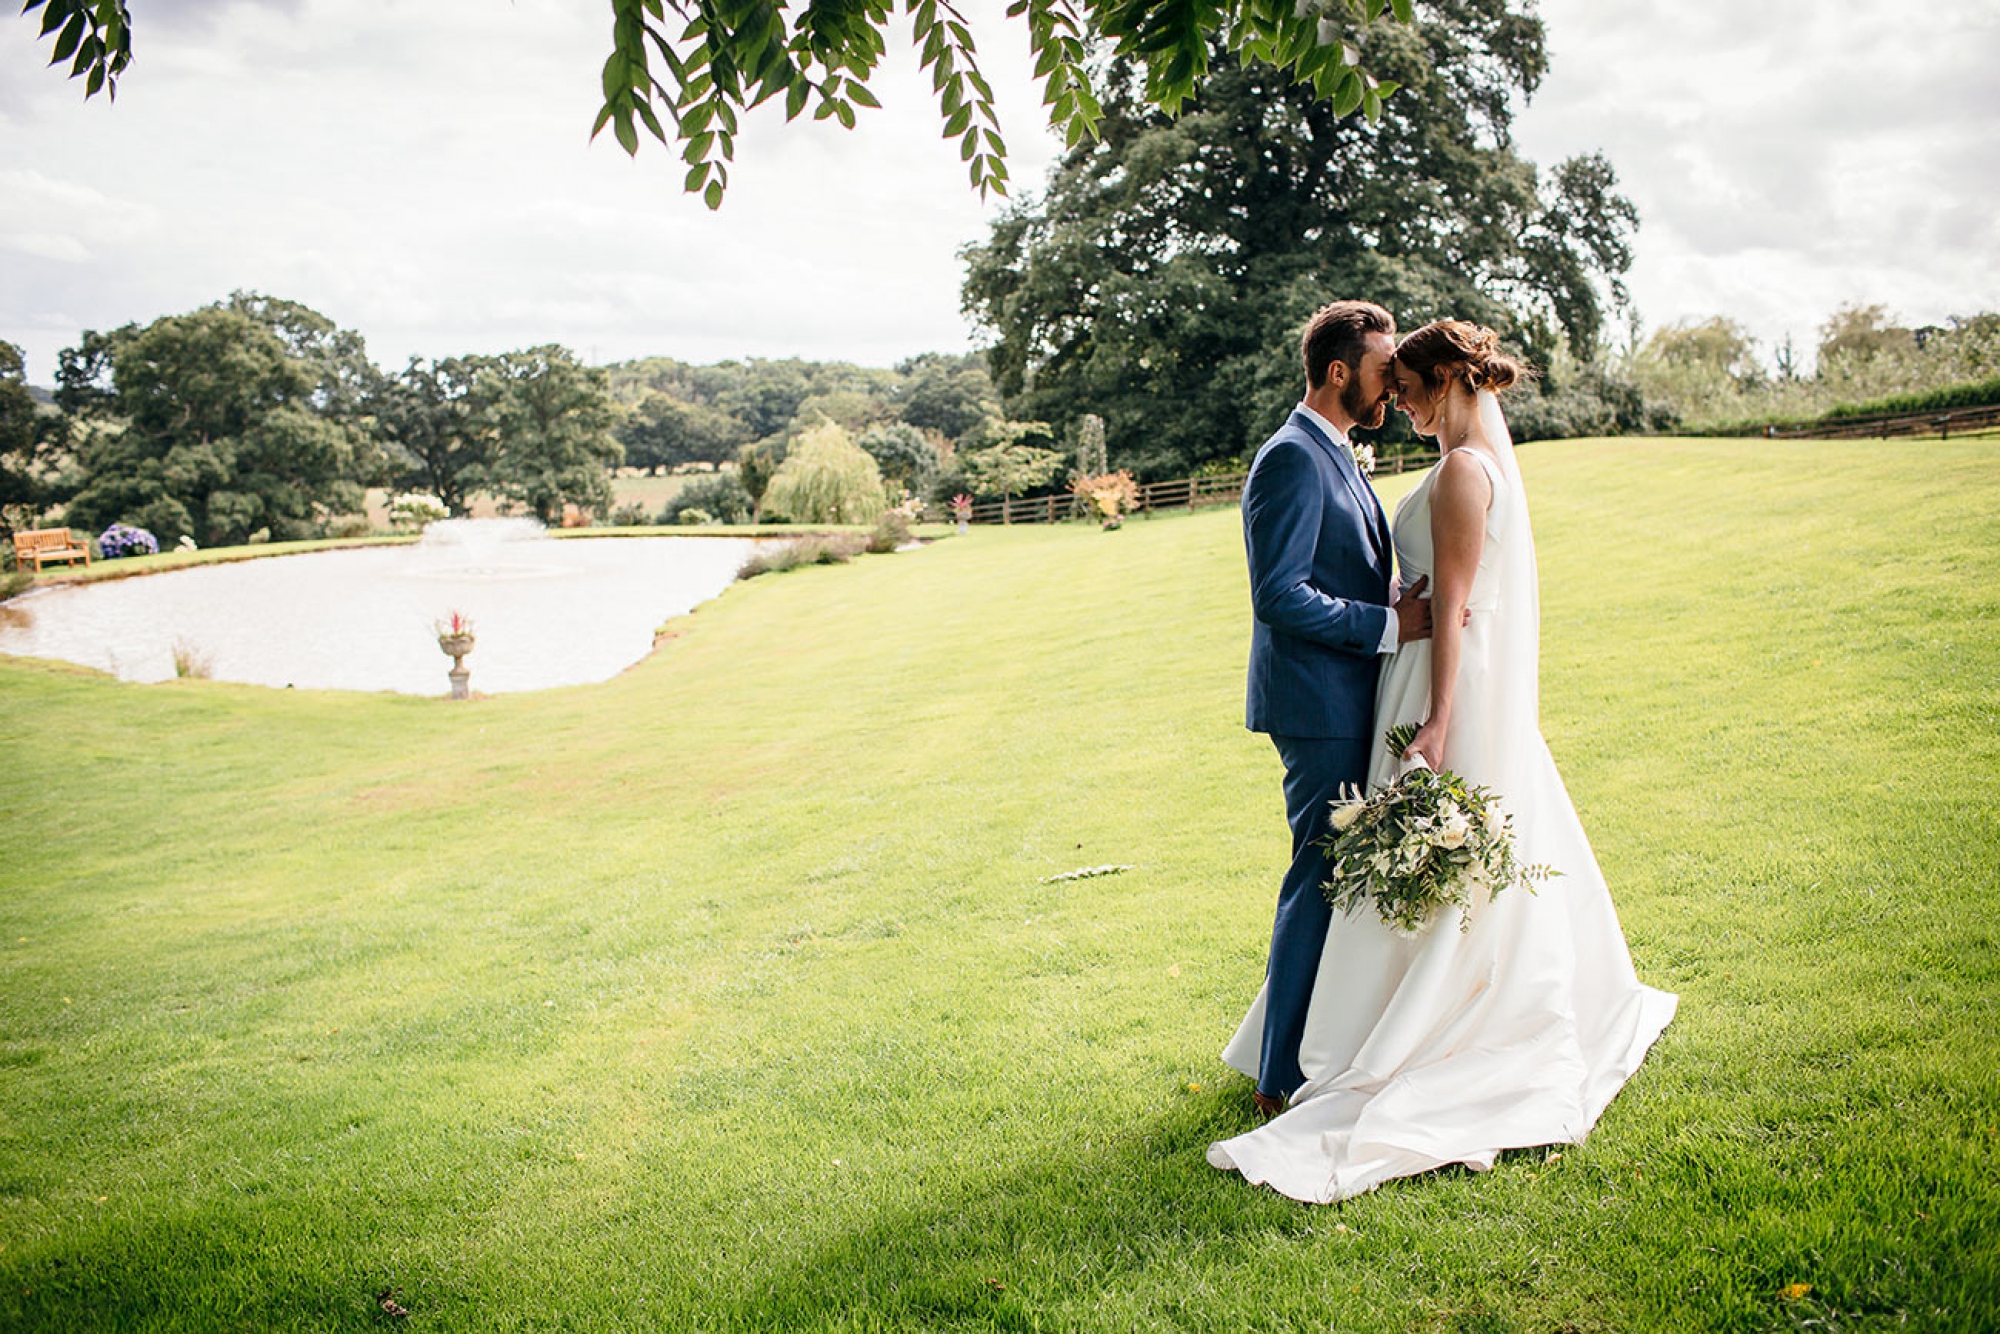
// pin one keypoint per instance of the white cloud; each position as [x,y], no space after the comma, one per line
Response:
[424,175]
[1788,158]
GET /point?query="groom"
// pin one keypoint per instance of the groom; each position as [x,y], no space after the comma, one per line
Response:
[1320,559]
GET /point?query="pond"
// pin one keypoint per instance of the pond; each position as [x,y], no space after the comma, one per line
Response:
[547,612]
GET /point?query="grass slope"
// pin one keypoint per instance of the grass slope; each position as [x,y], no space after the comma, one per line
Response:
[728,995]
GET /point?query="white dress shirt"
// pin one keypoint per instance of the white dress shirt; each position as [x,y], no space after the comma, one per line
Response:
[1390,636]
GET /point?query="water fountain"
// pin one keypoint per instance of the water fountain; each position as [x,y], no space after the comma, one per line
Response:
[506,548]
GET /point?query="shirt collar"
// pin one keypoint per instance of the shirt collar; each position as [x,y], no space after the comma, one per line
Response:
[1333,433]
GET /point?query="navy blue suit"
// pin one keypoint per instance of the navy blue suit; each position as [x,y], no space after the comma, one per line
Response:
[1320,559]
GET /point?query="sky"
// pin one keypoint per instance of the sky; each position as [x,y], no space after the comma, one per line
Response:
[422,172]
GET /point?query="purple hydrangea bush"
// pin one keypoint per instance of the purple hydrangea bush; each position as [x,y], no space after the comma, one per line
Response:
[122,539]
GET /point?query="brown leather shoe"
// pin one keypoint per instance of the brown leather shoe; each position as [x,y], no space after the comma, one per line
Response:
[1267,1105]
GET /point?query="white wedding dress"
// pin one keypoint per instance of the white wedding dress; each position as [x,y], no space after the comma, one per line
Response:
[1451,1046]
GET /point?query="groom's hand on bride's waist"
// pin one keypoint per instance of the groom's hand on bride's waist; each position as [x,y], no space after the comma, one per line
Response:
[1413,612]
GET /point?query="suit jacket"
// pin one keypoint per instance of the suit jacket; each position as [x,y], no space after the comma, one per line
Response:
[1320,558]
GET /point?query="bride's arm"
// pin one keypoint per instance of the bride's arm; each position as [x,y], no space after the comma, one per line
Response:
[1459,498]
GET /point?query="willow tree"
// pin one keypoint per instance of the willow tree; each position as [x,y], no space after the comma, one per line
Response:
[826,478]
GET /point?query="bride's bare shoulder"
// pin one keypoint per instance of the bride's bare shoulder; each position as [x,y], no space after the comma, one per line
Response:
[1461,476]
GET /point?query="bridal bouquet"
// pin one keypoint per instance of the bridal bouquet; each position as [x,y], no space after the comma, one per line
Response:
[1427,841]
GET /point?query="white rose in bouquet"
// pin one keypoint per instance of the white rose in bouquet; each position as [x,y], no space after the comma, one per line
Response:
[1454,830]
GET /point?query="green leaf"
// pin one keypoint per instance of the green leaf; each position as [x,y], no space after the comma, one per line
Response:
[628,137]
[1404,10]
[795,99]
[614,80]
[1348,95]
[713,195]
[845,111]
[862,95]
[697,174]
[72,34]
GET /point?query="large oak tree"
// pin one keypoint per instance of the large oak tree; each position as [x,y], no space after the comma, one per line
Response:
[1163,277]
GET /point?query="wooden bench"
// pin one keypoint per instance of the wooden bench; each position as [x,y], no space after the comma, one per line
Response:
[41,545]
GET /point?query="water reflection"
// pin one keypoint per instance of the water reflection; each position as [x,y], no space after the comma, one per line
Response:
[548,612]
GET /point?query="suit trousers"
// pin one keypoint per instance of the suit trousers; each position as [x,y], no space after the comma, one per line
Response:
[1315,769]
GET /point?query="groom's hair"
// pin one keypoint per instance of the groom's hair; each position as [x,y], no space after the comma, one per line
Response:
[1339,332]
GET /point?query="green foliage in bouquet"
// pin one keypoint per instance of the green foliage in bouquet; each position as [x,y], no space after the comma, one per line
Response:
[1422,844]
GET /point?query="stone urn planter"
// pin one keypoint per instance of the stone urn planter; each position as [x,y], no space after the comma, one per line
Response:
[455,638]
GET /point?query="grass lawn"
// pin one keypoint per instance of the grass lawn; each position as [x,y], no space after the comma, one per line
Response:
[729,994]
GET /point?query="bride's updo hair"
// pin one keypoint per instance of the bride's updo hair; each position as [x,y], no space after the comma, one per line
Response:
[1459,350]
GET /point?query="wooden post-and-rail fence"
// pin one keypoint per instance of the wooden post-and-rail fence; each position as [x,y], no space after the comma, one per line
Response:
[1937,422]
[1186,493]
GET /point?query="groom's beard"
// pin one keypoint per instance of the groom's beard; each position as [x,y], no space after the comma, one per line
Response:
[1364,413]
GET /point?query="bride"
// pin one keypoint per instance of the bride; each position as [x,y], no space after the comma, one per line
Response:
[1454,1045]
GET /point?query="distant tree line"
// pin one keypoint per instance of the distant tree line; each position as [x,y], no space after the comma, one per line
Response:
[1709,374]
[258,418]
[930,427]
